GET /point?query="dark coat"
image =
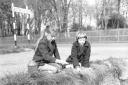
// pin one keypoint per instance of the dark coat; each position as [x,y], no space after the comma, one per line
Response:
[80,54]
[45,52]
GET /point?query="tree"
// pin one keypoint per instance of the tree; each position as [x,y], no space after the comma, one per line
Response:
[107,8]
[5,16]
[52,11]
[83,13]
[61,9]
[77,10]
[116,21]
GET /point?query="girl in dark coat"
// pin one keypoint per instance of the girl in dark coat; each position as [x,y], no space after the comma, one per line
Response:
[80,53]
[46,55]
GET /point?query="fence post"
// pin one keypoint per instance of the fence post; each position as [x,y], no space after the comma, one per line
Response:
[14,25]
[28,28]
[118,35]
[99,36]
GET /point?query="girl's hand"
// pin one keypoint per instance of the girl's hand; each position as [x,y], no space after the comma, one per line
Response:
[78,68]
[69,66]
[61,62]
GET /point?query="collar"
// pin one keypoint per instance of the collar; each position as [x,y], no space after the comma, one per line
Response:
[44,39]
[85,44]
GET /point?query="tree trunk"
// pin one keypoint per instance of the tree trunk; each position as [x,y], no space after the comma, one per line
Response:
[80,13]
[119,5]
[65,15]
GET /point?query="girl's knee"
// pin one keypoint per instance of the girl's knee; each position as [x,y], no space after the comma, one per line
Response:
[48,68]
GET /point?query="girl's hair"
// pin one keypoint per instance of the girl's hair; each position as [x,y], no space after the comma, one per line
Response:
[81,34]
[42,35]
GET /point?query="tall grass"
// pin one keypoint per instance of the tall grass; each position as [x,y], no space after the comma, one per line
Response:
[17,79]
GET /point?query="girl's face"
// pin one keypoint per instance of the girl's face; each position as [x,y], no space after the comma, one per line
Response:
[81,41]
[50,37]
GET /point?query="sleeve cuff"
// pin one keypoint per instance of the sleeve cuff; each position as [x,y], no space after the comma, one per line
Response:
[52,60]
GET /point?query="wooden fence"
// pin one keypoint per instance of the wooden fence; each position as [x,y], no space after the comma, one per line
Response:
[97,36]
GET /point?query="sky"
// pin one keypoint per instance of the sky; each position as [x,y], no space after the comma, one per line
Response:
[91,2]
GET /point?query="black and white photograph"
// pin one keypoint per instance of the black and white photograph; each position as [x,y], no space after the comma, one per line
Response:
[63,42]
